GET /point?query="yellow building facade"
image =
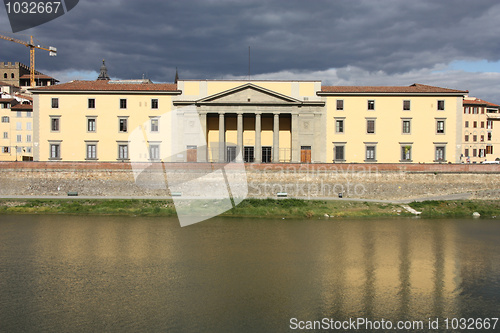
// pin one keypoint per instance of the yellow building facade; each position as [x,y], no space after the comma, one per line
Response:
[251,121]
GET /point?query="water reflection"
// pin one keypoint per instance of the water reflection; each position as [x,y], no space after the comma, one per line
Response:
[146,274]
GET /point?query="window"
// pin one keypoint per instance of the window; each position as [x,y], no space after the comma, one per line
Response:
[122,125]
[12,75]
[55,151]
[474,138]
[475,110]
[19,114]
[371,105]
[406,150]
[489,136]
[482,110]
[154,125]
[54,124]
[339,152]
[467,110]
[123,151]
[370,153]
[154,103]
[482,138]
[466,152]
[28,138]
[406,105]
[19,149]
[339,126]
[4,75]
[482,124]
[91,124]
[5,119]
[6,149]
[19,126]
[19,138]
[440,105]
[28,150]
[489,150]
[55,103]
[440,127]
[466,124]
[370,126]
[406,126]
[91,103]
[28,126]
[440,156]
[248,156]
[466,137]
[482,152]
[489,124]
[474,152]
[123,103]
[154,152]
[5,135]
[340,104]
[91,151]
[28,114]
[474,124]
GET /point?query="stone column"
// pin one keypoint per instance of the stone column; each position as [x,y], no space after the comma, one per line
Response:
[202,151]
[258,143]
[295,138]
[239,135]
[276,138]
[222,137]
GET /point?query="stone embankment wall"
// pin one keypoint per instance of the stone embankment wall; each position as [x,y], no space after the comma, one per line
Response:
[369,181]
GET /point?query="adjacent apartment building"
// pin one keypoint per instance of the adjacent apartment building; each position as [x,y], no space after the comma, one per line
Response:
[255,121]
[481,131]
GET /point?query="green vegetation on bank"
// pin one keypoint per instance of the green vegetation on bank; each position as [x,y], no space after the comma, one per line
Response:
[269,208]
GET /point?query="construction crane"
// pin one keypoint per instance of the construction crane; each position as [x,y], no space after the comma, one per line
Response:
[32,46]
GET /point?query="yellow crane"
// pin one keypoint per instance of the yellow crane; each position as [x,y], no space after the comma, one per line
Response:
[32,46]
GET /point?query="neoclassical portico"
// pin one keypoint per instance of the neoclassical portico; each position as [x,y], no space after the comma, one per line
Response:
[263,125]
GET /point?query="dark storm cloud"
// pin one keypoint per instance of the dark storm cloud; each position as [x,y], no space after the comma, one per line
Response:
[209,39]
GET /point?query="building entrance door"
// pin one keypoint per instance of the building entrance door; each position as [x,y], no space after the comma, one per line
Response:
[305,154]
[192,155]
[266,154]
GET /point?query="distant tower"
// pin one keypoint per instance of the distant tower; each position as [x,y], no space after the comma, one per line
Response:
[104,72]
[176,75]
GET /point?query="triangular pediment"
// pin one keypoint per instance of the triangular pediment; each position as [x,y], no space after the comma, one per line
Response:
[249,94]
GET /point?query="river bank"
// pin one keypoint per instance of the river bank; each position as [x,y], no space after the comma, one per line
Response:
[268,208]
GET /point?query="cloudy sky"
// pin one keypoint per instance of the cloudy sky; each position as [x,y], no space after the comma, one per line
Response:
[453,44]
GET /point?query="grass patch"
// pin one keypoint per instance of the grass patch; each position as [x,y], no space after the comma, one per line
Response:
[266,208]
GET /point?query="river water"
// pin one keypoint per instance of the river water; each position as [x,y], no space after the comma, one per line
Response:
[135,274]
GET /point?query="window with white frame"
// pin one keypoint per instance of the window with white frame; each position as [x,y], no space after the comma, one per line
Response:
[370,126]
[370,153]
[5,119]
[55,151]
[123,151]
[28,138]
[371,104]
[123,103]
[91,103]
[440,154]
[92,151]
[339,125]
[122,124]
[54,124]
[154,124]
[406,105]
[406,126]
[91,124]
[55,103]
[28,126]
[19,138]
[19,126]
[440,105]
[406,152]
[340,104]
[440,126]
[5,135]
[154,103]
[339,152]
[154,151]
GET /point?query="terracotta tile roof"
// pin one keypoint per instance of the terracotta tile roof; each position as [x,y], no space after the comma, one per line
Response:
[37,76]
[22,107]
[102,85]
[25,97]
[7,100]
[5,84]
[414,88]
[478,101]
